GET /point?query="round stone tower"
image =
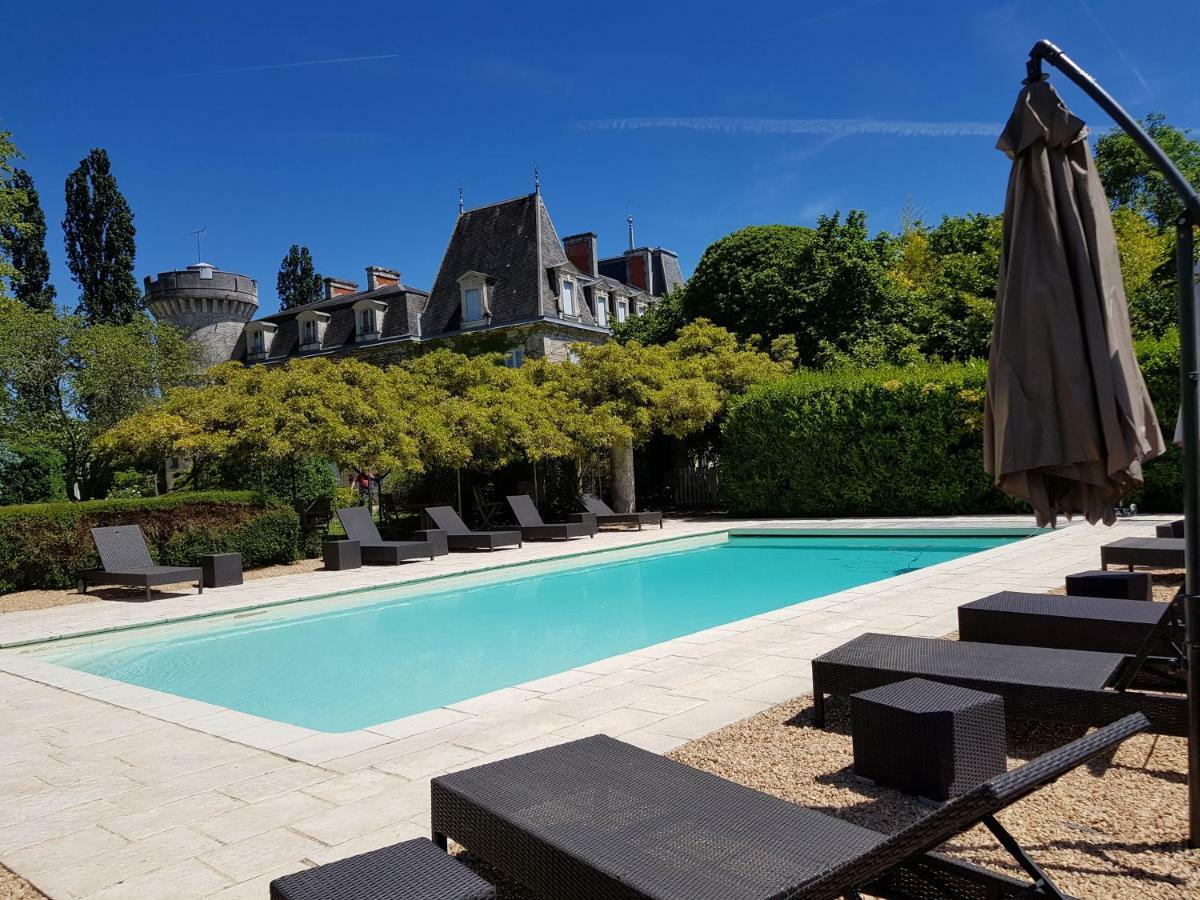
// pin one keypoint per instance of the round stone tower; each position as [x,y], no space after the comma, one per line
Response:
[211,307]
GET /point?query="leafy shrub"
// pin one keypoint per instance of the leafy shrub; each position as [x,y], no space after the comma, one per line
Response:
[45,545]
[128,483]
[30,474]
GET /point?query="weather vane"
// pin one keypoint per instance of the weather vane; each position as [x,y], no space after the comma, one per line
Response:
[199,233]
[460,199]
[537,180]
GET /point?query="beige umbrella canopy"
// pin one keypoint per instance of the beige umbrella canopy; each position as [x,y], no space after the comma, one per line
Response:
[1068,419]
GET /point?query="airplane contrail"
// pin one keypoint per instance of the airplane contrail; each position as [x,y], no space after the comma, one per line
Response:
[293,65]
[838,127]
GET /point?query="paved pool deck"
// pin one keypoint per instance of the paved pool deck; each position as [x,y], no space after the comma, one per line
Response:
[115,791]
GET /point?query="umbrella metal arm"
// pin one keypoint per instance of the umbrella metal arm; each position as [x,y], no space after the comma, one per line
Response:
[1189,386]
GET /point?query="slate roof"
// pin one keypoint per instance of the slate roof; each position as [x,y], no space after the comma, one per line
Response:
[399,322]
[501,241]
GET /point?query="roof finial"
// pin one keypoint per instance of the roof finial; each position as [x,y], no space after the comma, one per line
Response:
[537,180]
[460,199]
[629,220]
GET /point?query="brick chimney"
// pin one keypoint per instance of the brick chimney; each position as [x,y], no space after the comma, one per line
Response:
[338,287]
[379,277]
[637,269]
[581,251]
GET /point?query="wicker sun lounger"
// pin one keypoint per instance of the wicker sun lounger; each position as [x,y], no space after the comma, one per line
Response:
[1154,553]
[605,515]
[1048,685]
[359,526]
[460,537]
[1106,624]
[1170,530]
[125,560]
[529,520]
[599,819]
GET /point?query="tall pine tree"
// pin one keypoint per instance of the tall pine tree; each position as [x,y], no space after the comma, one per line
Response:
[27,247]
[99,235]
[298,282]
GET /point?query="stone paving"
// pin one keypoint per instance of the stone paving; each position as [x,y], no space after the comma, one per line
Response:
[114,791]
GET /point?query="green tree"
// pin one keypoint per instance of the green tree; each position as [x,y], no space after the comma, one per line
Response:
[1148,268]
[657,325]
[12,200]
[99,235]
[66,382]
[298,282]
[629,392]
[26,244]
[826,286]
[1131,180]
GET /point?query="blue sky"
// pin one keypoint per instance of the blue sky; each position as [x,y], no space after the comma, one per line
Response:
[348,127]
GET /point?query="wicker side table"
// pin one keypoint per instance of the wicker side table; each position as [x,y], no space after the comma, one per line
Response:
[342,554]
[221,569]
[412,870]
[1121,585]
[928,739]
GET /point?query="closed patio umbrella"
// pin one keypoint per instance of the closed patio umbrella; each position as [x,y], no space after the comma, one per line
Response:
[1068,418]
[1057,228]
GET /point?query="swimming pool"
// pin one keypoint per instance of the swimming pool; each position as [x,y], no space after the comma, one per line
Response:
[380,655]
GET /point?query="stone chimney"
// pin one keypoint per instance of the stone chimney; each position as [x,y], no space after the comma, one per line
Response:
[338,287]
[379,277]
[581,251]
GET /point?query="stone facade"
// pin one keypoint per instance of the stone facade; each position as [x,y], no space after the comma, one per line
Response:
[210,306]
[506,283]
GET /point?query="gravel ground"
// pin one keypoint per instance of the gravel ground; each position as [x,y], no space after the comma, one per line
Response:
[14,887]
[19,600]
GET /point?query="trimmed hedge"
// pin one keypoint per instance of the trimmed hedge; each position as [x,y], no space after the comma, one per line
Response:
[891,442]
[866,442]
[1159,359]
[45,545]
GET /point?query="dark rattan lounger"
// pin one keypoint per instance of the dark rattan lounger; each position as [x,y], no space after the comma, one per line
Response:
[1048,685]
[599,819]
[359,526]
[1154,553]
[1105,624]
[529,520]
[460,537]
[124,559]
[605,516]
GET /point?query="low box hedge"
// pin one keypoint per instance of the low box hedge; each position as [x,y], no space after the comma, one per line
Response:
[898,442]
[45,545]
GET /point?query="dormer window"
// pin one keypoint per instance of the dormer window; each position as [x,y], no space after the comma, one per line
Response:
[568,297]
[601,314]
[474,295]
[622,310]
[312,329]
[368,319]
[258,340]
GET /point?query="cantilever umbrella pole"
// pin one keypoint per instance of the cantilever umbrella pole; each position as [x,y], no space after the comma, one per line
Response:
[1189,389]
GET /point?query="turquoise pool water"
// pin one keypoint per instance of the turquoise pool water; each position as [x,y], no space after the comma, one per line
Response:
[411,650]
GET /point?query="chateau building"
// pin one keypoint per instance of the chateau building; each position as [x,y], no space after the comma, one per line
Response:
[506,279]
